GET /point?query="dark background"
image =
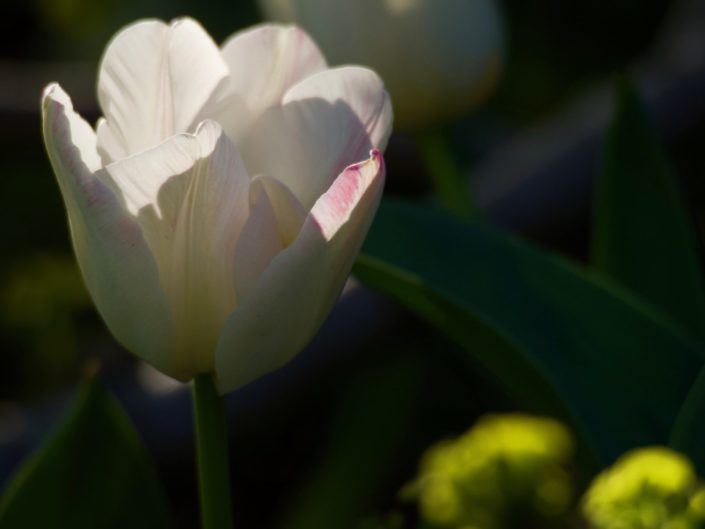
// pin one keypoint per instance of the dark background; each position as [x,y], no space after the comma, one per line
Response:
[319,432]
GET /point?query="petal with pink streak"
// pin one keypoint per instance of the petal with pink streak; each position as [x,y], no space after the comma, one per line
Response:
[326,123]
[294,294]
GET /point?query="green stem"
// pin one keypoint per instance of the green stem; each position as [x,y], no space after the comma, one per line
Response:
[211,430]
[453,192]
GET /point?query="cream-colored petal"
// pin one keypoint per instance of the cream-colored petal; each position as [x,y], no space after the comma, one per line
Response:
[156,80]
[258,244]
[327,122]
[295,293]
[265,62]
[289,212]
[190,196]
[117,265]
[276,217]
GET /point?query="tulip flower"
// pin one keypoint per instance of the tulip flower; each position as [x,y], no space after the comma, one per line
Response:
[219,204]
[439,58]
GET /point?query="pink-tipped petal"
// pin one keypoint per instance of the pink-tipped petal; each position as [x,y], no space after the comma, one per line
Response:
[325,123]
[116,263]
[156,80]
[294,294]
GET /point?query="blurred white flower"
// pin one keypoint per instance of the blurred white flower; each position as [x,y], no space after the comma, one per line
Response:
[218,207]
[438,58]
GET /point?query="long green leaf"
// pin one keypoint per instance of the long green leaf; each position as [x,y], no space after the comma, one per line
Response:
[542,326]
[643,236]
[688,434]
[92,472]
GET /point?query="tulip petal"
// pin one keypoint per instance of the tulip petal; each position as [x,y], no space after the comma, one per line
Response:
[295,293]
[190,195]
[325,123]
[276,217]
[156,80]
[289,212]
[115,260]
[265,62]
[258,244]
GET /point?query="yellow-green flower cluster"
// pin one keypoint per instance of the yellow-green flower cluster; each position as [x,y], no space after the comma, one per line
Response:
[508,468]
[649,488]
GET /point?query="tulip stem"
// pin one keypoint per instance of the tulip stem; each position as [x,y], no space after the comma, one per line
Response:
[211,431]
[452,191]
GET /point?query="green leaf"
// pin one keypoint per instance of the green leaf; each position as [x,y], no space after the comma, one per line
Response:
[92,472]
[542,326]
[643,236]
[688,434]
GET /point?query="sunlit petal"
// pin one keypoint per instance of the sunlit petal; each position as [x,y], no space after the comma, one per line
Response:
[156,80]
[189,195]
[326,122]
[294,294]
[265,62]
[114,258]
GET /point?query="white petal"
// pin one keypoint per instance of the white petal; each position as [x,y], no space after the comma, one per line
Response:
[258,244]
[295,293]
[190,195]
[264,63]
[115,260]
[327,122]
[156,80]
[289,212]
[274,223]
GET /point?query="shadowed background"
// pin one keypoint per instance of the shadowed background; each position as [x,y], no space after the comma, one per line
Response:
[344,424]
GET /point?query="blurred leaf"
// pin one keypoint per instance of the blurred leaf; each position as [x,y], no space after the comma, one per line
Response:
[643,236]
[92,472]
[446,178]
[541,325]
[371,422]
[688,434]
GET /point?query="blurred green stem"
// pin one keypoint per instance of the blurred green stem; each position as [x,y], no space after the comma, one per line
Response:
[212,454]
[453,192]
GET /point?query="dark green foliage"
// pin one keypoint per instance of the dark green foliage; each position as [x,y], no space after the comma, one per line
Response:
[543,326]
[92,472]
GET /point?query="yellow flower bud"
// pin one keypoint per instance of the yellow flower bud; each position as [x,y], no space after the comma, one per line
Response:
[649,488]
[506,468]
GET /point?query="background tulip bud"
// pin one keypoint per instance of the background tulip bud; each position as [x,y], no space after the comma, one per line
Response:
[438,58]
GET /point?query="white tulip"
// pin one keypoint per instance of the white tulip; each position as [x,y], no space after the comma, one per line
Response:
[218,206]
[438,58]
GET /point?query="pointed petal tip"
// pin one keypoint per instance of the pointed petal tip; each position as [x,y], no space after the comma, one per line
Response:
[178,21]
[50,89]
[54,94]
[373,166]
[208,125]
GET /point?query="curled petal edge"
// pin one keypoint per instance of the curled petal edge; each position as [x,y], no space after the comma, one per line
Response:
[295,293]
[115,261]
